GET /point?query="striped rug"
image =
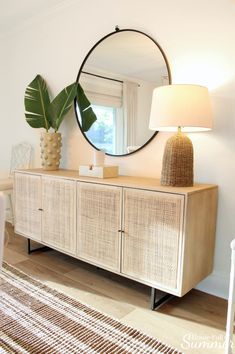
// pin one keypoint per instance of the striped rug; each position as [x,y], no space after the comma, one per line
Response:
[36,319]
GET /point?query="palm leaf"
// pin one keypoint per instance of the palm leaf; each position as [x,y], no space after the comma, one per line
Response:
[88,116]
[61,105]
[36,103]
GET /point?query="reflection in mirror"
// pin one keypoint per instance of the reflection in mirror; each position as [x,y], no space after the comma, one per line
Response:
[118,78]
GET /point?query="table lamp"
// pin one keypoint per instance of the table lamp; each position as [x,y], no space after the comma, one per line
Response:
[180,108]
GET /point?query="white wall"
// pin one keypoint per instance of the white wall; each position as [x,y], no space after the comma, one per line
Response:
[198,39]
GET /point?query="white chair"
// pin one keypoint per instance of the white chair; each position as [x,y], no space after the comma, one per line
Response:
[2,226]
[231,304]
[20,158]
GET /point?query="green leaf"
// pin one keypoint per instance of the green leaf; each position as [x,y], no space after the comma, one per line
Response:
[36,103]
[61,104]
[88,116]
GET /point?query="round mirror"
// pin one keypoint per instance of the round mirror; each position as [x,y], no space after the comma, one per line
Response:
[116,81]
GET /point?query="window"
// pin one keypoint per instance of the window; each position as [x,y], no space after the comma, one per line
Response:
[106,97]
[103,132]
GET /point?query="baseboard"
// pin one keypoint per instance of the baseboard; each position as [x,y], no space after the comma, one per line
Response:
[215,284]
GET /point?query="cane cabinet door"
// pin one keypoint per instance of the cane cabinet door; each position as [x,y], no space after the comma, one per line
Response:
[27,195]
[151,236]
[59,213]
[99,218]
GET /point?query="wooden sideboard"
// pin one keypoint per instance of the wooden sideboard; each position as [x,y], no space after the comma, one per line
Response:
[161,236]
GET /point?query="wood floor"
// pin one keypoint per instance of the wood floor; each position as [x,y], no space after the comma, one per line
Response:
[193,324]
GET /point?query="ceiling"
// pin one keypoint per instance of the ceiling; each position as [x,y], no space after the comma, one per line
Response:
[15,13]
[128,53]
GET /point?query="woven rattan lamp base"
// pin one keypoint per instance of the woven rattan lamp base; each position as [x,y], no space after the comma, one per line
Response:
[177,165]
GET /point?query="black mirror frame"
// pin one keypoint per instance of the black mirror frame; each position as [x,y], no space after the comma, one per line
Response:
[80,70]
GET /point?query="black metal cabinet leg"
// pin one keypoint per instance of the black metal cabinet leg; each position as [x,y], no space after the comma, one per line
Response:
[43,248]
[156,302]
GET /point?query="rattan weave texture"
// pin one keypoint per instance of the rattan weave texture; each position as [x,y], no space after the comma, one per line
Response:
[58,219]
[177,165]
[152,225]
[98,224]
[27,188]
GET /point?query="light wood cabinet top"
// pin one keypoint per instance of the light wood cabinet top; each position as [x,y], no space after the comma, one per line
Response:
[122,181]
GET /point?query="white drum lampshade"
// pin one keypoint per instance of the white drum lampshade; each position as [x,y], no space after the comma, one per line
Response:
[181,108]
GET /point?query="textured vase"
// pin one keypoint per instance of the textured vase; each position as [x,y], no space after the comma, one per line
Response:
[50,150]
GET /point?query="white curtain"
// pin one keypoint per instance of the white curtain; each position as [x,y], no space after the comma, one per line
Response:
[130,96]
